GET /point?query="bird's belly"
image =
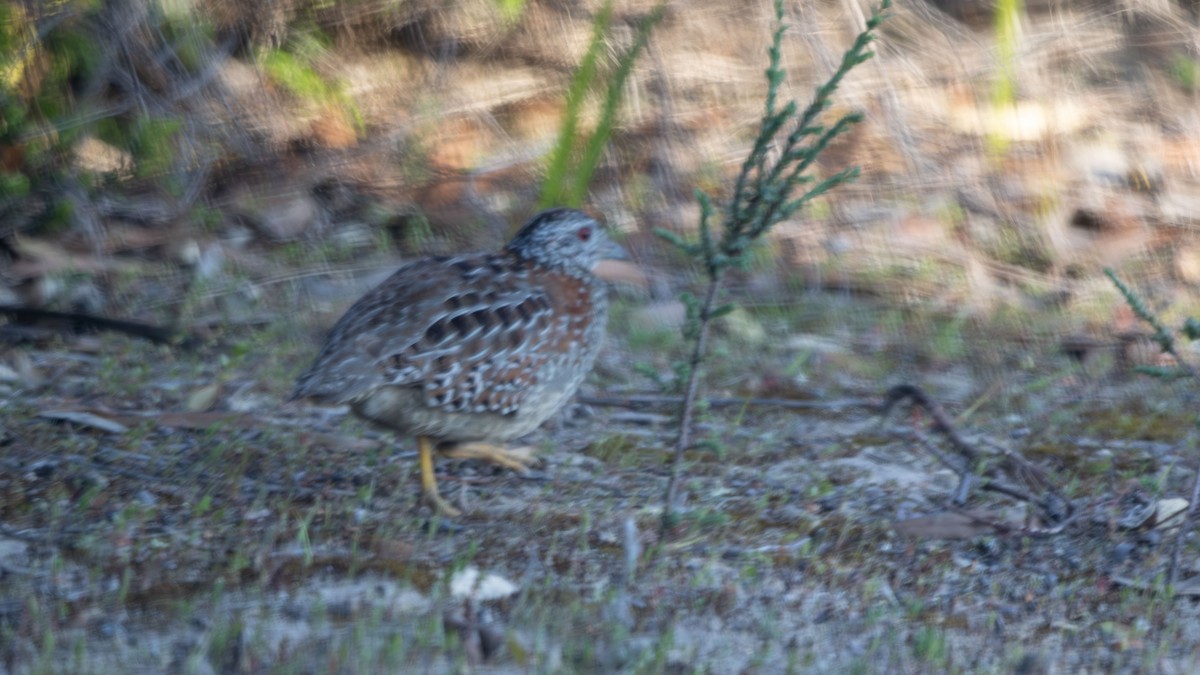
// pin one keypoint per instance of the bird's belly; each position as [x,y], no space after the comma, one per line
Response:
[404,410]
[407,410]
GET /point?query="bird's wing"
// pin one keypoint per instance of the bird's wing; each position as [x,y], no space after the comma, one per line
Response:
[473,333]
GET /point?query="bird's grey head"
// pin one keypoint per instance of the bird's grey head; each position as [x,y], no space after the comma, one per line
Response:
[564,239]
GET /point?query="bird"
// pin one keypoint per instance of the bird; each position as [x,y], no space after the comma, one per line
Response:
[467,352]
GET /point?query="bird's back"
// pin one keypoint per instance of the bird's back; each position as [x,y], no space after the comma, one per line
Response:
[480,334]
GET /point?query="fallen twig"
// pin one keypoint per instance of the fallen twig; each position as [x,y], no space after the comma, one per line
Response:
[75,322]
[1054,507]
[1188,518]
[641,400]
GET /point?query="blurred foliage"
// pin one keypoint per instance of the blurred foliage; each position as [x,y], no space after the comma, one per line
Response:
[100,94]
[37,74]
[294,66]
[1004,87]
[777,165]
[297,76]
[511,10]
[1186,71]
[566,182]
[1164,337]
[64,82]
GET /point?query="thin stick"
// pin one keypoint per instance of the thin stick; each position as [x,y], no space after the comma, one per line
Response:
[684,441]
[1054,506]
[643,400]
[1188,519]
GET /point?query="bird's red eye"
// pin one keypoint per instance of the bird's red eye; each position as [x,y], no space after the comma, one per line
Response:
[585,233]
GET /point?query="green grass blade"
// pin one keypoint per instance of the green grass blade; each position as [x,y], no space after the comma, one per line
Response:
[553,191]
[612,101]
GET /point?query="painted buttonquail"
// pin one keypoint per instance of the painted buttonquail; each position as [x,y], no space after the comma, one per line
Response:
[467,352]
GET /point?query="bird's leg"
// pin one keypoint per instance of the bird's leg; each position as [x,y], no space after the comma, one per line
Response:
[518,459]
[425,447]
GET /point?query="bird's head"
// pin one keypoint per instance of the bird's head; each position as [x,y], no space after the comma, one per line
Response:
[565,239]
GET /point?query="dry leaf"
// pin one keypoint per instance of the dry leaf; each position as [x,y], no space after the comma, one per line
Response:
[119,423]
[87,419]
[191,420]
[949,525]
[1169,513]
[203,398]
[471,583]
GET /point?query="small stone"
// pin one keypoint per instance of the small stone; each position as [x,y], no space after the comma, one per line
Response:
[1121,552]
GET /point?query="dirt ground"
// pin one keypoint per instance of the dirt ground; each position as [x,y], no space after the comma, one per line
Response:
[264,536]
[163,508]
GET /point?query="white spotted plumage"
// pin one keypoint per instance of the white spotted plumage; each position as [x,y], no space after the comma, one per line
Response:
[474,347]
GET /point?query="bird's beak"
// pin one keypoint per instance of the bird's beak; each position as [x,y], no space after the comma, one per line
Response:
[615,266]
[613,251]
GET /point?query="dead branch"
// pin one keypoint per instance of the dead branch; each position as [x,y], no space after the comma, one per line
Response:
[76,322]
[644,400]
[1188,519]
[991,476]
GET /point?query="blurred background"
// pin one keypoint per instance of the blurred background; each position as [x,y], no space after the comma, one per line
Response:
[157,155]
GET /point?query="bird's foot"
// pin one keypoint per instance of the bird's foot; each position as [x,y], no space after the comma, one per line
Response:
[429,481]
[518,459]
[441,506]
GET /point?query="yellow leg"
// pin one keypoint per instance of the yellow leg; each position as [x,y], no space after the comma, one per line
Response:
[518,459]
[429,486]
